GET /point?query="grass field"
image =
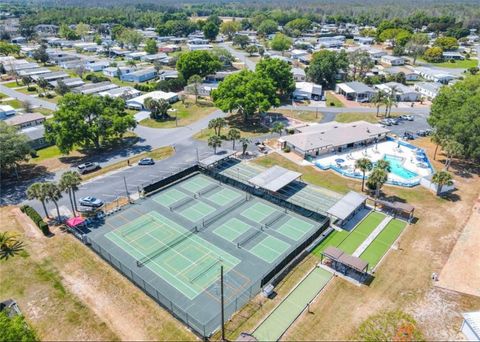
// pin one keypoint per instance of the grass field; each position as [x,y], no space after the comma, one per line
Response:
[13,84]
[332,101]
[187,114]
[303,115]
[14,103]
[465,64]
[46,153]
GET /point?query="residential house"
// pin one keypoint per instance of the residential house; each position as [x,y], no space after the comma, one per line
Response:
[410,75]
[167,75]
[139,101]
[97,66]
[34,71]
[125,93]
[137,55]
[307,91]
[355,91]
[69,82]
[435,75]
[428,89]
[453,55]
[403,93]
[31,124]
[114,71]
[298,54]
[51,76]
[6,110]
[392,60]
[93,88]
[299,74]
[139,76]
[155,57]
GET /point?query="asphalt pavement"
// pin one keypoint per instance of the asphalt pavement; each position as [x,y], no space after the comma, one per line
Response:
[34,101]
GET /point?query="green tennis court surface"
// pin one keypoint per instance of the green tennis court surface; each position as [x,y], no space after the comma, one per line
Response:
[224,196]
[259,212]
[275,325]
[377,249]
[196,184]
[181,258]
[197,211]
[295,228]
[232,229]
[269,249]
[169,197]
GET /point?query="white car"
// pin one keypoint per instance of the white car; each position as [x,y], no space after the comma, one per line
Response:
[90,201]
[87,167]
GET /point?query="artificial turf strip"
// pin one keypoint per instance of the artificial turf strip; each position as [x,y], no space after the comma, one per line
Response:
[361,232]
[377,249]
[333,239]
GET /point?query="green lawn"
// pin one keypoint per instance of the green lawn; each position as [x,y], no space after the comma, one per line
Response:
[465,64]
[186,113]
[13,84]
[2,95]
[46,153]
[332,101]
[303,115]
[14,103]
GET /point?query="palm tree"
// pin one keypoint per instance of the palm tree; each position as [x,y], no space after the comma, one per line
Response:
[244,142]
[42,83]
[158,108]
[36,191]
[69,183]
[364,165]
[437,141]
[214,141]
[453,149]
[277,128]
[378,100]
[221,122]
[233,135]
[384,165]
[53,193]
[442,178]
[376,179]
[9,245]
[392,100]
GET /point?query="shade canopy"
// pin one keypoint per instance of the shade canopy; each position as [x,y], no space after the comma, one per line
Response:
[75,221]
[274,178]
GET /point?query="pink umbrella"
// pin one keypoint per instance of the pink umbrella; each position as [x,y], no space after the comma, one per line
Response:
[75,221]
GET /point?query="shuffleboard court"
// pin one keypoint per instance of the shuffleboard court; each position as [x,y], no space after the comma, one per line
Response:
[232,229]
[177,255]
[196,184]
[169,197]
[279,320]
[258,212]
[269,249]
[379,247]
[295,228]
[224,197]
[197,211]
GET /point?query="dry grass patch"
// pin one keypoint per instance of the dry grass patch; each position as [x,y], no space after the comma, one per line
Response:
[303,115]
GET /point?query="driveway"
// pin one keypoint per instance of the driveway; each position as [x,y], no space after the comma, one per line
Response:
[241,56]
[35,101]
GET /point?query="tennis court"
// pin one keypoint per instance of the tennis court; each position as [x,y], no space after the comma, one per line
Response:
[280,319]
[173,243]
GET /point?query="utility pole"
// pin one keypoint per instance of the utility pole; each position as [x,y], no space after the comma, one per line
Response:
[222,303]
[126,188]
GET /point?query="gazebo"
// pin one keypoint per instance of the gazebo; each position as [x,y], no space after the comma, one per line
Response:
[398,208]
[344,262]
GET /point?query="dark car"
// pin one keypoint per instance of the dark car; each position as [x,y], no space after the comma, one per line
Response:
[408,136]
[90,201]
[146,161]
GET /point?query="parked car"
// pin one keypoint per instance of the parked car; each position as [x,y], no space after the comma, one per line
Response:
[408,136]
[146,161]
[394,121]
[90,201]
[87,167]
[407,117]
[386,122]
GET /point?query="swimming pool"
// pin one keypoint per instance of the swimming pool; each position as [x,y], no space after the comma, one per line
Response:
[397,168]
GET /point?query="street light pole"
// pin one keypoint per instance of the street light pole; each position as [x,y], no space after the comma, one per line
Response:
[126,188]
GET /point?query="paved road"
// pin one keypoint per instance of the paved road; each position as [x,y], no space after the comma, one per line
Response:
[242,57]
[35,101]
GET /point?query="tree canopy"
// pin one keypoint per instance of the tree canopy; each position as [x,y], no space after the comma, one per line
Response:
[15,329]
[247,92]
[324,67]
[446,43]
[433,54]
[455,116]
[199,62]
[87,121]
[280,42]
[14,146]
[279,72]
[151,46]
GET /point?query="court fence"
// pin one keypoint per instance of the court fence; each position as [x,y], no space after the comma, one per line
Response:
[206,328]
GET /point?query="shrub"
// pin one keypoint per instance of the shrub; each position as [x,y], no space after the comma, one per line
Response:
[36,218]
[31,88]
[286,149]
[41,95]
[50,96]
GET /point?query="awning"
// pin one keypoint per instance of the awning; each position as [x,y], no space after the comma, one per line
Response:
[347,205]
[219,156]
[274,178]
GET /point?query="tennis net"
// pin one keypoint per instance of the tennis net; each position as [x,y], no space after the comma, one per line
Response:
[208,189]
[143,261]
[181,203]
[275,219]
[249,238]
[137,226]
[203,271]
[207,222]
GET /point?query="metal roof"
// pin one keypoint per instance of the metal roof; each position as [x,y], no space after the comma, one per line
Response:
[219,156]
[347,205]
[274,178]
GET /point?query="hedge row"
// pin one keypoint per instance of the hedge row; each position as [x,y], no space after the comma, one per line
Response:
[35,216]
